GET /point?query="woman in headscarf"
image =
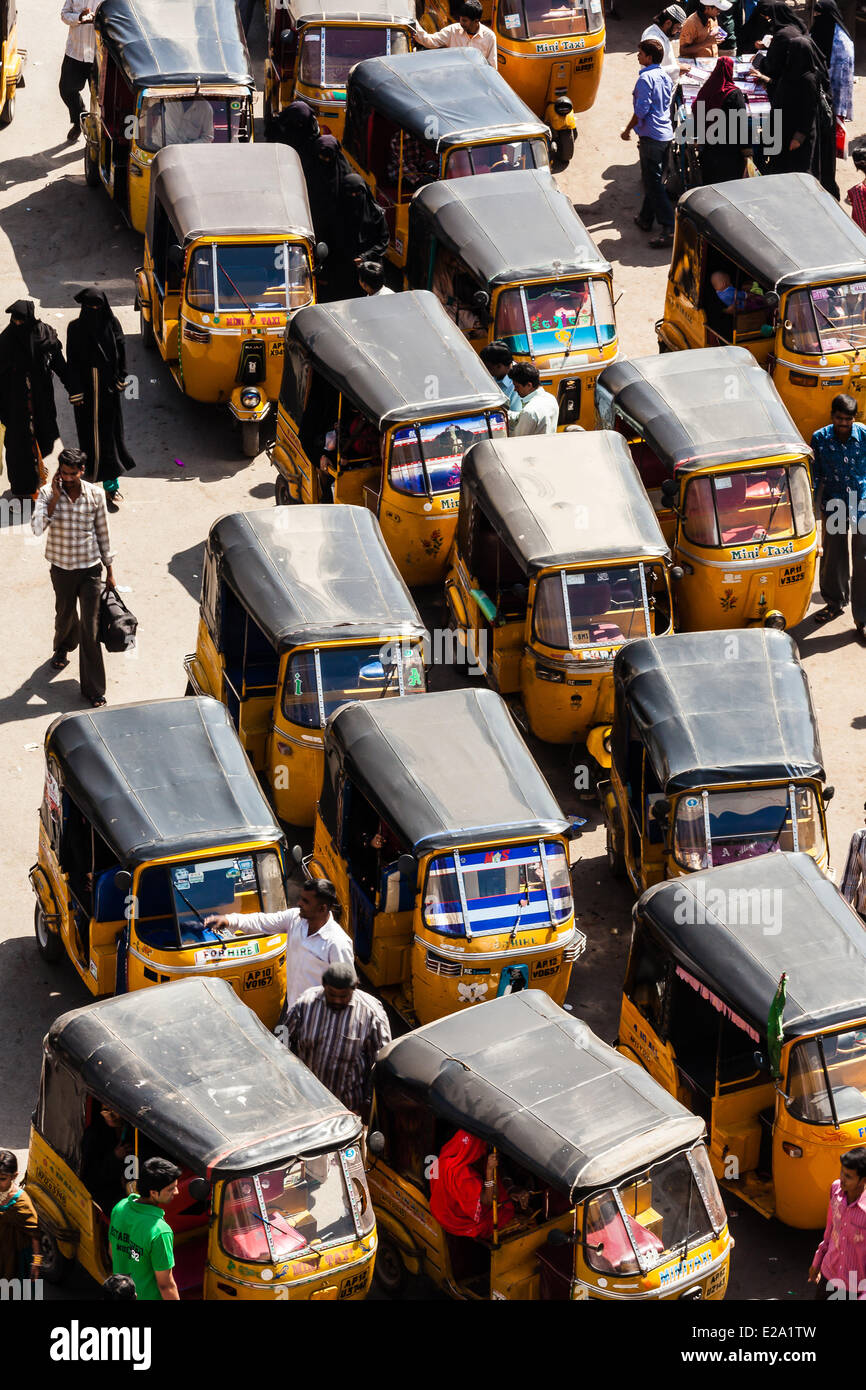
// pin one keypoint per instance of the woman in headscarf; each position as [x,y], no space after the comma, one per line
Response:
[799,91]
[836,46]
[768,17]
[297,126]
[722,157]
[30,358]
[462,1190]
[361,234]
[326,176]
[96,357]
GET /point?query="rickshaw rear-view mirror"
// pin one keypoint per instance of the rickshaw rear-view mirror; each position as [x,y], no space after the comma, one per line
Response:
[827,794]
[760,1061]
[297,854]
[661,810]
[677,572]
[376,1143]
[123,880]
[481,300]
[406,865]
[559,1238]
[670,489]
[771,299]
[199,1189]
[321,253]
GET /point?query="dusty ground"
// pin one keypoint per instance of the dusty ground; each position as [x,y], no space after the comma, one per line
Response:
[57,236]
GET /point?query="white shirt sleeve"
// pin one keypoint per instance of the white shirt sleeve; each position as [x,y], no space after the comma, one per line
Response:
[265,921]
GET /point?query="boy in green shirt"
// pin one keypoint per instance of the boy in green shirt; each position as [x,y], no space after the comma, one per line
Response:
[142,1243]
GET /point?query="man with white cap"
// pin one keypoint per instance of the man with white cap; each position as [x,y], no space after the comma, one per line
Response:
[701,34]
[666,28]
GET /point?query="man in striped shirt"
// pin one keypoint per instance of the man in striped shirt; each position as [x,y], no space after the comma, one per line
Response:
[337,1031]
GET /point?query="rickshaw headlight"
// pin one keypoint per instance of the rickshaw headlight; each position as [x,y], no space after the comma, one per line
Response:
[250,398]
[776,619]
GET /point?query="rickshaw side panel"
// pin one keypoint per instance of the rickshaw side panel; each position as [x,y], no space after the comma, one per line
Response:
[64,1207]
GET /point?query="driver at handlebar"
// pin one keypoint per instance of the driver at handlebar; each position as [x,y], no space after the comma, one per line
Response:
[461,1199]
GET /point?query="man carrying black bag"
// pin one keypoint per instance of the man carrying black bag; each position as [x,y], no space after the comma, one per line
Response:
[78,544]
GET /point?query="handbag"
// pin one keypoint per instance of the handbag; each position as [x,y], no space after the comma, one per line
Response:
[841,140]
[117,625]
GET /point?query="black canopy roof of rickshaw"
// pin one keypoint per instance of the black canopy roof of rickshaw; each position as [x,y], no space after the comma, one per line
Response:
[455,85]
[161,777]
[382,351]
[521,1074]
[725,946]
[532,489]
[230,190]
[710,713]
[370,12]
[201,1076]
[702,406]
[783,229]
[474,218]
[163,42]
[317,573]
[451,771]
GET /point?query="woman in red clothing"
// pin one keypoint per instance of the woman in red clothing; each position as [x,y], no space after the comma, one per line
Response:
[461,1193]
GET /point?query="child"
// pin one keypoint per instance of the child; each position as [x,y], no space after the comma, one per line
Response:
[856,196]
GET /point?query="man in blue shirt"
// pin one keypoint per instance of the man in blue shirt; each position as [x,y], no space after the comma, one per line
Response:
[840,494]
[652,120]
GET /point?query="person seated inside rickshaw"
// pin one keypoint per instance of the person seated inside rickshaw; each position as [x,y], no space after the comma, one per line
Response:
[189,122]
[735,301]
[105,1147]
[462,1189]
[420,163]
[358,446]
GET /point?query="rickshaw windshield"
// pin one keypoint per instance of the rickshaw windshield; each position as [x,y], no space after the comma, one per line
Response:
[557,316]
[831,318]
[474,892]
[426,459]
[714,828]
[327,53]
[245,276]
[174,900]
[834,1060]
[647,1220]
[501,157]
[277,1214]
[583,610]
[548,19]
[748,507]
[321,679]
[193,120]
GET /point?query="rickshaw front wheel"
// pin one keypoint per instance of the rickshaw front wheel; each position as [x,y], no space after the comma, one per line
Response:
[250,438]
[7,115]
[564,150]
[48,943]
[283,493]
[55,1266]
[389,1271]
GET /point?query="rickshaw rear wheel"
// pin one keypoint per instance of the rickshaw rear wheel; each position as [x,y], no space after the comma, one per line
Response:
[390,1271]
[48,943]
[615,859]
[250,438]
[7,115]
[145,328]
[91,168]
[55,1266]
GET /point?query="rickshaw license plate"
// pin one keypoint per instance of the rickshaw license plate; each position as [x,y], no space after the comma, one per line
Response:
[716,1281]
[249,948]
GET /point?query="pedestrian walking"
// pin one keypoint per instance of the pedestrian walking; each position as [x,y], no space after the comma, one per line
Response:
[651,119]
[498,359]
[539,409]
[78,59]
[314,937]
[361,234]
[853,886]
[338,1031]
[30,358]
[96,374]
[371,278]
[839,1267]
[840,498]
[19,1241]
[468,32]
[78,545]
[836,46]
[141,1240]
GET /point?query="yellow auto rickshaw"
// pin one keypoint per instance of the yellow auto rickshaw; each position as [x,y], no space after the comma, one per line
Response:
[714,755]
[729,474]
[166,74]
[438,114]
[229,254]
[381,398]
[745,997]
[302,609]
[11,61]
[620,1198]
[536,282]
[448,851]
[273,1203]
[313,45]
[152,820]
[550,51]
[798,264]
[558,561]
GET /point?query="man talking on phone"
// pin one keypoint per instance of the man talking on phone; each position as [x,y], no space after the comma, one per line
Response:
[78,544]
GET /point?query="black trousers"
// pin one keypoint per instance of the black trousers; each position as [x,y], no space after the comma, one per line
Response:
[77,592]
[843,570]
[73,80]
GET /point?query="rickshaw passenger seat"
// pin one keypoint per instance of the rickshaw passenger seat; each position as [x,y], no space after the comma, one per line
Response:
[109,901]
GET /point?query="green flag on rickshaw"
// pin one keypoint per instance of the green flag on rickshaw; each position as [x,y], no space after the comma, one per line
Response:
[774,1027]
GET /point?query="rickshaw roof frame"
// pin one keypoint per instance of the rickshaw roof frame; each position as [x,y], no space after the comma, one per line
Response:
[454,84]
[820,943]
[161,778]
[522,1074]
[710,714]
[202,1077]
[774,227]
[473,217]
[727,410]
[456,772]
[335,11]
[230,190]
[171,41]
[314,573]
[532,489]
[383,351]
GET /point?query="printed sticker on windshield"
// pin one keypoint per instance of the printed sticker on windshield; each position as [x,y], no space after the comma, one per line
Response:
[722,482]
[248,873]
[512,21]
[197,877]
[181,878]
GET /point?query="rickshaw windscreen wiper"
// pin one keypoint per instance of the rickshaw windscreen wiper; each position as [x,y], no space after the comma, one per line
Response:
[188,903]
[221,267]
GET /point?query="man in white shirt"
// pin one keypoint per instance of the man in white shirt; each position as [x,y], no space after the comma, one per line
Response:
[468,32]
[539,409]
[189,122]
[666,28]
[78,58]
[314,939]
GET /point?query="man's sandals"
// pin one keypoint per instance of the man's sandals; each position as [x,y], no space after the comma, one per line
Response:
[826,615]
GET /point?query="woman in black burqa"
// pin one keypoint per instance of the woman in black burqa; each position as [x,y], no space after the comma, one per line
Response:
[96,361]
[30,358]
